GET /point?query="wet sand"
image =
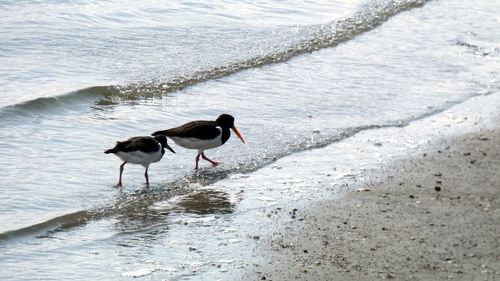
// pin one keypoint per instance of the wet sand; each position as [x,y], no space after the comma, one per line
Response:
[435,217]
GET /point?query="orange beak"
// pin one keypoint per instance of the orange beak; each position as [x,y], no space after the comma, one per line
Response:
[238,134]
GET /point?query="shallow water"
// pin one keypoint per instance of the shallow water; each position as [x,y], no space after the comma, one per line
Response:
[52,47]
[297,76]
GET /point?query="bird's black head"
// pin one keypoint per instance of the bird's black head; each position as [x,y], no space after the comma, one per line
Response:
[225,121]
[163,140]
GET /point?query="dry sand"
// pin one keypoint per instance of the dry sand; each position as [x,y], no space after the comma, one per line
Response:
[432,218]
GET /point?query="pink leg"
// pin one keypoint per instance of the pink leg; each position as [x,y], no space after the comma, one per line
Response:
[215,163]
[197,160]
[119,184]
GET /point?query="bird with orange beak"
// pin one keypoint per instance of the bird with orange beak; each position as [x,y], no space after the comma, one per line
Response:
[202,135]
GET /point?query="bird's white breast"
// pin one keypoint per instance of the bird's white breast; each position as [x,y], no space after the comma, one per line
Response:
[139,157]
[199,144]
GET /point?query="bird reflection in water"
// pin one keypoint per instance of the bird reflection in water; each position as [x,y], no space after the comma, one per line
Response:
[141,218]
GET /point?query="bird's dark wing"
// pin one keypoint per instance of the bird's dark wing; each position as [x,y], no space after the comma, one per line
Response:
[195,129]
[144,144]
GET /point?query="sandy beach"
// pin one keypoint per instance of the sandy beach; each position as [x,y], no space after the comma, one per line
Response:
[434,217]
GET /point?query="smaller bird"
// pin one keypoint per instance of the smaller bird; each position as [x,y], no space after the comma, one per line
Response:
[142,150]
[202,135]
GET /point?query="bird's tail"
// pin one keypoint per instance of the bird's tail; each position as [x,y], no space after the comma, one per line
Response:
[112,150]
[160,133]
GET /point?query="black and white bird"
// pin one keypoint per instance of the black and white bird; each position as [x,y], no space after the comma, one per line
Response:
[202,135]
[140,150]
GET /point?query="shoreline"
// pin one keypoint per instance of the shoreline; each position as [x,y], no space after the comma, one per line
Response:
[435,217]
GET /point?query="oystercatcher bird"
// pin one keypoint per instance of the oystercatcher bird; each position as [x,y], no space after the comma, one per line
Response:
[202,135]
[140,150]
